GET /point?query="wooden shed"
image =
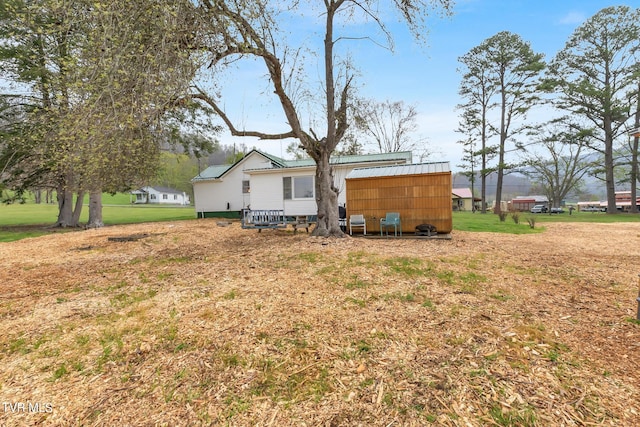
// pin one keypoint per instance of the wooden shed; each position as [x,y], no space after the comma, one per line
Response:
[421,193]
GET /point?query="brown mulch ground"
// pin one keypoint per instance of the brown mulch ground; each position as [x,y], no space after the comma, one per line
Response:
[190,323]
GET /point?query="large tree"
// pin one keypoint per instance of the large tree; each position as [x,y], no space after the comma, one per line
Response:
[98,78]
[251,30]
[390,125]
[504,69]
[557,160]
[595,77]
[474,126]
[498,88]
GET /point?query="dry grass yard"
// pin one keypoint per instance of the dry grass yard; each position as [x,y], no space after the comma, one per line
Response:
[196,324]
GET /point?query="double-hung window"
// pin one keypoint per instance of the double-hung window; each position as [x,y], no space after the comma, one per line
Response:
[298,187]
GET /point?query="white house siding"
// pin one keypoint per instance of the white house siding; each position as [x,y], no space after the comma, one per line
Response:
[171,197]
[339,178]
[213,193]
[267,192]
[224,197]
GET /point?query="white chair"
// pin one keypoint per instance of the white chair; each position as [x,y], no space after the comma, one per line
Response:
[357,221]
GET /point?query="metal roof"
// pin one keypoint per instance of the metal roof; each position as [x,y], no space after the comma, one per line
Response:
[212,172]
[217,171]
[410,169]
[347,159]
[463,193]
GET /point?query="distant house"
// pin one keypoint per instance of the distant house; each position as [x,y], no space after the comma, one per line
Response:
[263,181]
[525,203]
[463,200]
[160,195]
[623,203]
[420,193]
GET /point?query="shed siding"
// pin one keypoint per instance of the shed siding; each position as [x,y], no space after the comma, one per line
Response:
[420,199]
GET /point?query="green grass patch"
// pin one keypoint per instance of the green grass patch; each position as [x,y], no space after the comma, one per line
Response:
[399,296]
[407,266]
[359,302]
[126,299]
[357,283]
[489,222]
[60,372]
[506,418]
[19,221]
[501,296]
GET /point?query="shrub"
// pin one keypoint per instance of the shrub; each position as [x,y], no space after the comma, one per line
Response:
[503,216]
[515,216]
[532,222]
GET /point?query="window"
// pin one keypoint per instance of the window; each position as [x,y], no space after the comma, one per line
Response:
[286,186]
[246,188]
[153,196]
[175,197]
[297,187]
[165,197]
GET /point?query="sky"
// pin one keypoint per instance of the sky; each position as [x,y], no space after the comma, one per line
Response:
[424,76]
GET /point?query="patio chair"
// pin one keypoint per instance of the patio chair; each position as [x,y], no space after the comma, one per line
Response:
[357,221]
[392,219]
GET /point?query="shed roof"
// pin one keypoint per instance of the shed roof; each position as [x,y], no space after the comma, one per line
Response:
[360,158]
[396,170]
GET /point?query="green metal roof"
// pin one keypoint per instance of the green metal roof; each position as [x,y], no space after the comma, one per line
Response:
[217,171]
[212,172]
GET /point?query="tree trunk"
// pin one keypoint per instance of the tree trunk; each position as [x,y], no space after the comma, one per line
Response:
[77,210]
[326,199]
[609,168]
[503,141]
[634,157]
[634,175]
[498,207]
[65,208]
[95,210]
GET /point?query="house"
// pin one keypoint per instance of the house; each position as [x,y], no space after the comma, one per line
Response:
[420,193]
[525,203]
[463,200]
[623,203]
[160,195]
[263,181]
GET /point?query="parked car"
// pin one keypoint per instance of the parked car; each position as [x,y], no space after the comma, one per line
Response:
[539,209]
[557,210]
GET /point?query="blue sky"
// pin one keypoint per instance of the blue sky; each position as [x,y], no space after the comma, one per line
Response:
[425,76]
